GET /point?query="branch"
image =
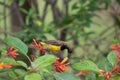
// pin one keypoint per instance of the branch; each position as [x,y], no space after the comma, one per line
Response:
[102,33]
[116,26]
[17,12]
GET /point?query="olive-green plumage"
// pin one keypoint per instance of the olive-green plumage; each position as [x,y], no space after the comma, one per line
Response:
[56,46]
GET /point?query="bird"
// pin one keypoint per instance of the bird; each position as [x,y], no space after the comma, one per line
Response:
[56,46]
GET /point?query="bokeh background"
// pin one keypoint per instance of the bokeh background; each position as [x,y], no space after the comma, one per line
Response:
[89,26]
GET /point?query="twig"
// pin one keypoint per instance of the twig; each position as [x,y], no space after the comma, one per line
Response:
[54,10]
[116,27]
[44,12]
[105,30]
[5,16]
[5,24]
[37,9]
[2,3]
[66,7]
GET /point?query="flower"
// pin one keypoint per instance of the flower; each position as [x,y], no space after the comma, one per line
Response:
[116,69]
[39,46]
[3,66]
[115,47]
[107,74]
[61,66]
[38,22]
[12,52]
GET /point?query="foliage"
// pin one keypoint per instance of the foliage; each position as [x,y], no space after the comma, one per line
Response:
[86,65]
[38,67]
[91,26]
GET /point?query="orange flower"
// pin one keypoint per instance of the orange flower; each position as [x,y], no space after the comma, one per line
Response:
[102,72]
[39,46]
[3,66]
[12,52]
[106,74]
[8,65]
[60,66]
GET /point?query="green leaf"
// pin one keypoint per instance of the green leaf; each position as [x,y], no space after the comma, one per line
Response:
[12,74]
[24,10]
[91,76]
[21,63]
[49,67]
[8,60]
[27,20]
[75,6]
[31,11]
[67,20]
[21,2]
[112,58]
[3,52]
[33,76]
[5,70]
[85,65]
[44,61]
[47,75]
[17,43]
[49,36]
[20,72]
[17,73]
[104,64]
[116,78]
[10,2]
[65,76]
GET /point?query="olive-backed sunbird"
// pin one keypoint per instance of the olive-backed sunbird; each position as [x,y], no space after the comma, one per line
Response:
[56,46]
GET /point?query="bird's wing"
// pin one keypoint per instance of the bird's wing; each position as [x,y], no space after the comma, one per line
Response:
[55,42]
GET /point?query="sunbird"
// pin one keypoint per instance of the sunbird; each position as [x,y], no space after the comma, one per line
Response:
[56,46]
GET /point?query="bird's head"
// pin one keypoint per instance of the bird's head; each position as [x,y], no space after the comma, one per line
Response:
[68,48]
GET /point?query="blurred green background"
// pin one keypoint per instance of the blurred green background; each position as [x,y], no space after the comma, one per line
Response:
[89,26]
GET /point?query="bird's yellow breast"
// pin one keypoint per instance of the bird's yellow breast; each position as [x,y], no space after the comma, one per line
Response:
[50,47]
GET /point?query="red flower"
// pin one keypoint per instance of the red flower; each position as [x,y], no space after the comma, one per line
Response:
[39,46]
[12,52]
[3,66]
[108,75]
[115,47]
[116,69]
[60,66]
